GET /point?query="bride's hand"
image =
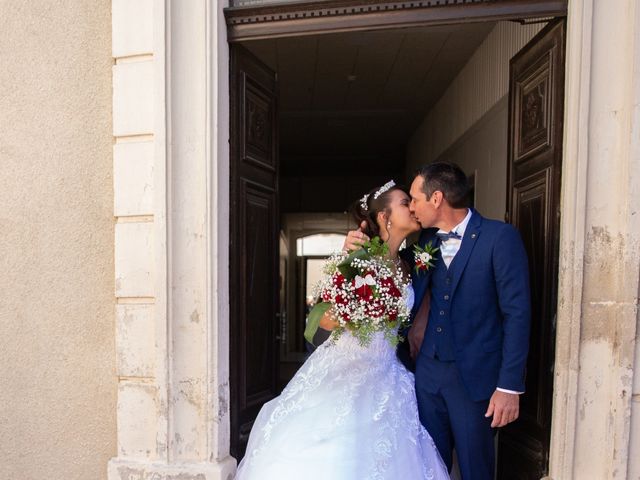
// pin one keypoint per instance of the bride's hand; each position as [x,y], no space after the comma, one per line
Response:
[355,239]
[328,322]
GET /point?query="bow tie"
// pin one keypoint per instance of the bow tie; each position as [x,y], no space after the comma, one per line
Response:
[444,236]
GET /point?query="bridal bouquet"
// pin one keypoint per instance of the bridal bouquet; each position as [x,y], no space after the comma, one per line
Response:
[364,293]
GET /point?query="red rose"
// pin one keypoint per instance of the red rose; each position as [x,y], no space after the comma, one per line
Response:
[338,279]
[375,309]
[390,285]
[341,300]
[365,292]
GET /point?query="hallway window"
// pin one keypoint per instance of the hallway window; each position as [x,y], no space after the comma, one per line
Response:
[322,244]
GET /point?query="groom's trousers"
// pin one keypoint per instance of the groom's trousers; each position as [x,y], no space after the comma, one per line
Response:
[453,419]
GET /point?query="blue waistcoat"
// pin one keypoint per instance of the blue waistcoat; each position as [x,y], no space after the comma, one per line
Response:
[438,338]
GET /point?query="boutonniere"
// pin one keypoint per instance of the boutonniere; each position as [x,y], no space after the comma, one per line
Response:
[424,256]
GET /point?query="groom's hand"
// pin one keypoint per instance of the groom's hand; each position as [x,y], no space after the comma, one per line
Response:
[505,408]
[355,238]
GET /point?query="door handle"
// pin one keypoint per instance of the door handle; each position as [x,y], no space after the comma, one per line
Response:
[282,318]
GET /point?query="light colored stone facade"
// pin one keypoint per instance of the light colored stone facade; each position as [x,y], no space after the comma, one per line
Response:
[170,125]
[596,395]
[154,155]
[57,339]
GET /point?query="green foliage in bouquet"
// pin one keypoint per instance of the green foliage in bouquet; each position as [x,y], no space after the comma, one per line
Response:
[373,248]
[313,322]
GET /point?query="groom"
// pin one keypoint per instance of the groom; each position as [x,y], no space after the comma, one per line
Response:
[470,331]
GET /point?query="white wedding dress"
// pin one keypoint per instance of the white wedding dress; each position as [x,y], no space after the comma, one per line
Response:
[349,413]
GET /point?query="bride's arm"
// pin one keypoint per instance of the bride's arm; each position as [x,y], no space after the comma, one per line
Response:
[416,332]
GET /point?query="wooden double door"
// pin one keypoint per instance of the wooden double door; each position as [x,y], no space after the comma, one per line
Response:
[254,243]
[536,92]
[535,159]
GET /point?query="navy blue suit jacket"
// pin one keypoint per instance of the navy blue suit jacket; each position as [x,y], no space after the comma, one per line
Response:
[490,305]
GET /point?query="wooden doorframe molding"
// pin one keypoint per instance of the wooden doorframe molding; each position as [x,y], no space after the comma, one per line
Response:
[330,16]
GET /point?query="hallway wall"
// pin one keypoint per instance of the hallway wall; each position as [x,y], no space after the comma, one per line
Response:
[468,125]
[483,150]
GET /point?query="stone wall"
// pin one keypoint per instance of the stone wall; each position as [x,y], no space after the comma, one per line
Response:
[595,428]
[171,182]
[57,351]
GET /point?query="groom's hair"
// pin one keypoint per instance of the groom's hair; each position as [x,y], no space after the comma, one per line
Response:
[447,178]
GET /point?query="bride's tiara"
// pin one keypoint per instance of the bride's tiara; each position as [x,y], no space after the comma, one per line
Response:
[380,191]
[363,202]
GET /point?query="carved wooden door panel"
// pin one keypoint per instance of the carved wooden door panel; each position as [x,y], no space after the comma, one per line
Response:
[536,93]
[254,244]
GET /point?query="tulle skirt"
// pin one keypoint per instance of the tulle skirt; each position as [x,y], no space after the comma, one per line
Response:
[350,412]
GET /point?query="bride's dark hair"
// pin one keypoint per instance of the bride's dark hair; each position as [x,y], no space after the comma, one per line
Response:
[374,206]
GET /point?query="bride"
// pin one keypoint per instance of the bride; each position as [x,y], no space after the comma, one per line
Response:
[350,412]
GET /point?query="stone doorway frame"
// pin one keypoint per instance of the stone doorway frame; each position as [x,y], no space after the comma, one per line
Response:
[171,167]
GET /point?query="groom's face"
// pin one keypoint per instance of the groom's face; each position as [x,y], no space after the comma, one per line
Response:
[421,207]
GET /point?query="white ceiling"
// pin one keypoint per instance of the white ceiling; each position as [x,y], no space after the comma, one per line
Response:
[362,94]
